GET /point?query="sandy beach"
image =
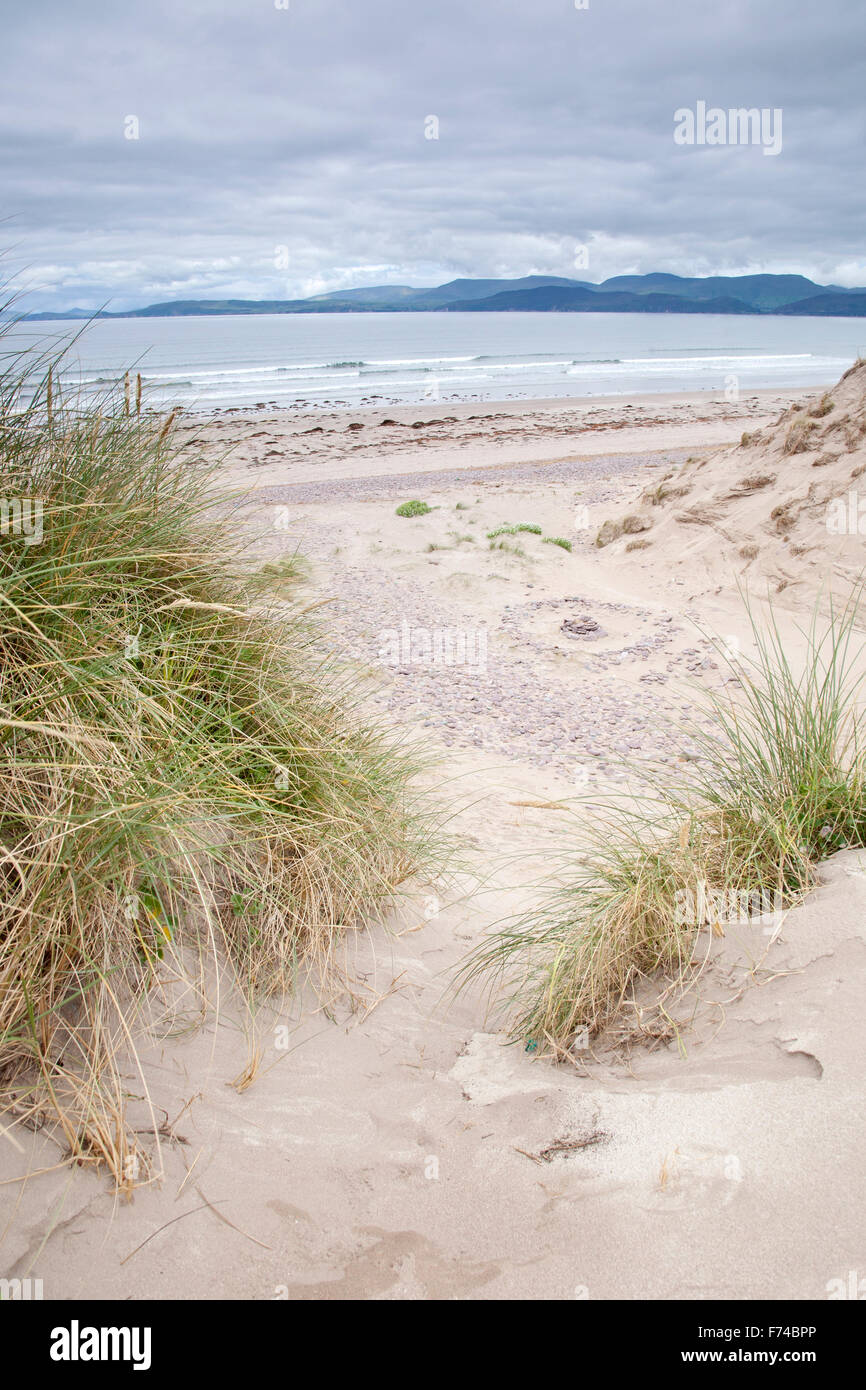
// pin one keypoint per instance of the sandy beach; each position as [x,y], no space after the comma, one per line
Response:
[391,1146]
[318,445]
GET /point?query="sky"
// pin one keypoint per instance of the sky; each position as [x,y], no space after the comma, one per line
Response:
[282,148]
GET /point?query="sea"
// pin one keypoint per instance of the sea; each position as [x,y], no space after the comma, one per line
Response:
[323,362]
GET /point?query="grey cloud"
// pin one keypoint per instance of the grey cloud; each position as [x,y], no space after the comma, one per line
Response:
[262,128]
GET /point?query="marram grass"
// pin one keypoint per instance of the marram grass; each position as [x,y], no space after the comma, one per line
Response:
[779,784]
[182,774]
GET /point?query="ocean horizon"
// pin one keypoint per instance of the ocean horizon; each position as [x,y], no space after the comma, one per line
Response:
[365,361]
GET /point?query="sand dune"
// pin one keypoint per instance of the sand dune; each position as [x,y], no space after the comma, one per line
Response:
[786,506]
[397,1150]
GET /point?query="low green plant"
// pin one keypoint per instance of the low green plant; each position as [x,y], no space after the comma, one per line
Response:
[413,508]
[523,526]
[557,540]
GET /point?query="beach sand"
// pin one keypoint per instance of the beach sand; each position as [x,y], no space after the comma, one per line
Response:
[391,1147]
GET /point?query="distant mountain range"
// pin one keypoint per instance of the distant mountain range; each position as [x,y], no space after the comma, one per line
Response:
[623,294]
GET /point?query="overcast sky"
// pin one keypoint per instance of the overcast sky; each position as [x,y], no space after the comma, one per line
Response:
[304,128]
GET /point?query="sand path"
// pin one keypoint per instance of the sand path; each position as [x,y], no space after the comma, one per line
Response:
[398,1150]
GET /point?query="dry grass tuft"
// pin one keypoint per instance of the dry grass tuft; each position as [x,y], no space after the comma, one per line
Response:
[779,784]
[798,438]
[182,774]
